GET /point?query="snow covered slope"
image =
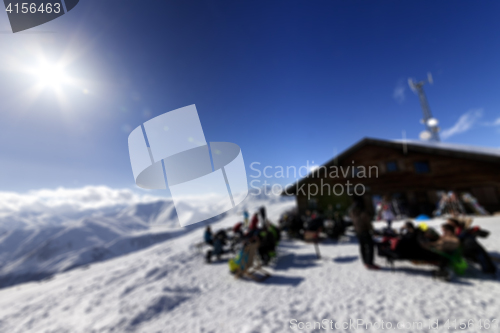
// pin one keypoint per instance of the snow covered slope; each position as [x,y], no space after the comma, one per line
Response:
[168,288]
[45,232]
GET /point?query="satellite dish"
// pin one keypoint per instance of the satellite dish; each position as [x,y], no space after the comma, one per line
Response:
[432,122]
[411,84]
[429,78]
[425,135]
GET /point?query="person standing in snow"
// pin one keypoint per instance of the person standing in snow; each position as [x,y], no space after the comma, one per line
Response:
[363,226]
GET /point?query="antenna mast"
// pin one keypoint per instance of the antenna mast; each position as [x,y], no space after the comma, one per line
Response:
[432,130]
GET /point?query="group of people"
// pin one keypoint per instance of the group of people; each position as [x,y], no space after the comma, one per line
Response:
[298,226]
[458,241]
[257,231]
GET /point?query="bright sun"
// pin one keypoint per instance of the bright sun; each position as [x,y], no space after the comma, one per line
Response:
[52,79]
[50,75]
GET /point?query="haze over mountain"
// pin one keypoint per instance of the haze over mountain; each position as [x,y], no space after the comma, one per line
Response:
[49,231]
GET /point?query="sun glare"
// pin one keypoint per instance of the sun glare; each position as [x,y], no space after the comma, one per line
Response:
[52,79]
[50,75]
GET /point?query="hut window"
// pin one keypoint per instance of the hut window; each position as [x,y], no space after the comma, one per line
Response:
[391,166]
[422,167]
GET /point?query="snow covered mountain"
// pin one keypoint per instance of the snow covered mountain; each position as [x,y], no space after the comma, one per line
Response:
[46,232]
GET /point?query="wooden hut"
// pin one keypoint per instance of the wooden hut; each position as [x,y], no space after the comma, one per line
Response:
[413,173]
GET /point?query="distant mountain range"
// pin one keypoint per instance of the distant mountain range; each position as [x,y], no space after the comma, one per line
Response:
[46,232]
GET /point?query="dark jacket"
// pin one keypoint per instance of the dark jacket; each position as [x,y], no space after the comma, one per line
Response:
[361,221]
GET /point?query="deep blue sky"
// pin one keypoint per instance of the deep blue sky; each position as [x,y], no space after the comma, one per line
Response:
[288,81]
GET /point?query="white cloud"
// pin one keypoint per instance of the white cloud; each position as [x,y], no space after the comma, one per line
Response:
[464,123]
[65,200]
[399,92]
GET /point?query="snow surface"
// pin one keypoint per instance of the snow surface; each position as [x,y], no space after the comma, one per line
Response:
[168,288]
